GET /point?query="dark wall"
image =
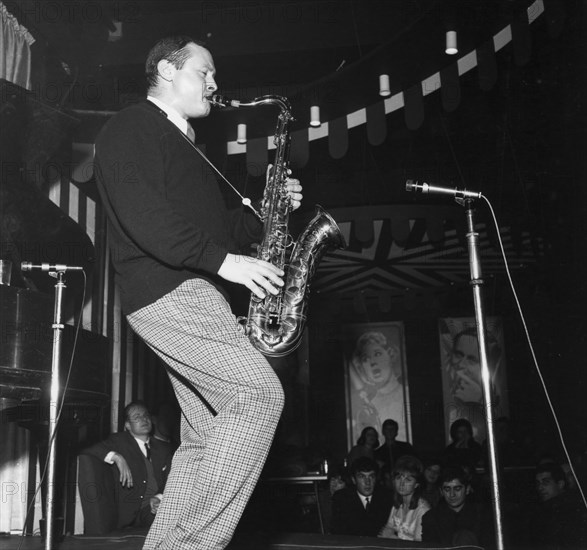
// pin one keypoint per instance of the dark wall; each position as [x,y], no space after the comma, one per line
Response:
[532,421]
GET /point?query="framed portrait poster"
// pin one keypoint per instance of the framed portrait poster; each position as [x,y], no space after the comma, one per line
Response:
[376,378]
[461,372]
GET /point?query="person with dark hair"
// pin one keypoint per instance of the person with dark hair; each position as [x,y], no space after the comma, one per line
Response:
[391,449]
[366,444]
[464,451]
[175,249]
[360,509]
[143,464]
[431,481]
[559,520]
[456,520]
[464,385]
[405,518]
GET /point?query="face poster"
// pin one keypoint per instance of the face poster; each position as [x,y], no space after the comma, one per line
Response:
[376,378]
[461,372]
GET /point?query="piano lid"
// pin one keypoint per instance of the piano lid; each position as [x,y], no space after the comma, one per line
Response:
[26,351]
[35,144]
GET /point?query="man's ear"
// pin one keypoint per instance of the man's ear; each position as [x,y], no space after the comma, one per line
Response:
[468,490]
[165,70]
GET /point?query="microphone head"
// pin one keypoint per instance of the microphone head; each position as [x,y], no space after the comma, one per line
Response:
[26,266]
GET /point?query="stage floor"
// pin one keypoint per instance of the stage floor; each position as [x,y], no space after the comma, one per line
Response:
[283,541]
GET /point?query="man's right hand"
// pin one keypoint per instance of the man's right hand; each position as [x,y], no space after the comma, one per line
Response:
[257,275]
[123,468]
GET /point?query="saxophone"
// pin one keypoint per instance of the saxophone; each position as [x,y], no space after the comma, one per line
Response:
[275,323]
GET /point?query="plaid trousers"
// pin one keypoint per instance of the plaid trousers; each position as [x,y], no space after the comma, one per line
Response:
[231,400]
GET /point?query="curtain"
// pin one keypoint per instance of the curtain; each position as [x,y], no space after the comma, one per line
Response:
[15,43]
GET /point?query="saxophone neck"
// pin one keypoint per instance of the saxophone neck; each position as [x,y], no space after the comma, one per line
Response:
[282,102]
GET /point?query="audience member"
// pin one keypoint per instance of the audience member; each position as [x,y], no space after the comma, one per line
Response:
[431,486]
[559,520]
[456,520]
[366,444]
[362,508]
[391,449]
[143,463]
[405,519]
[166,424]
[464,451]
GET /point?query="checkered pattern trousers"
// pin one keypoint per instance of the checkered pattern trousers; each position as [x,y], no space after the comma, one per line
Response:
[231,401]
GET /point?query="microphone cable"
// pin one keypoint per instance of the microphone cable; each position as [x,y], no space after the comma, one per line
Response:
[532,352]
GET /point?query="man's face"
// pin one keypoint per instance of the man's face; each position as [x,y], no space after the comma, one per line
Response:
[193,84]
[465,355]
[138,421]
[390,432]
[547,487]
[455,493]
[365,482]
[376,363]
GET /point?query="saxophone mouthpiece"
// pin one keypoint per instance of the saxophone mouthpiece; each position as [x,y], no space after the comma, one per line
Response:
[223,101]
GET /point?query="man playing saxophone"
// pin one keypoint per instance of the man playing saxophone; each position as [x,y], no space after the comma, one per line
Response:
[173,244]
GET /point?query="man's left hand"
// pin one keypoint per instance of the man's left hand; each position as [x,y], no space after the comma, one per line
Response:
[293,186]
[294,190]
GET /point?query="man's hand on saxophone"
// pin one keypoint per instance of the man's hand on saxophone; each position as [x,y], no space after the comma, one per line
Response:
[294,190]
[257,275]
[293,187]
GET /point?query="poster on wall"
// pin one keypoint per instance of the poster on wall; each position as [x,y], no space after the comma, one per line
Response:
[376,378]
[461,372]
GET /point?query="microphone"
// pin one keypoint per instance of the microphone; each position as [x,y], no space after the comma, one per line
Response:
[411,185]
[29,266]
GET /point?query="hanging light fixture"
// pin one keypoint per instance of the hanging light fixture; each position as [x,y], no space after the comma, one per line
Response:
[315,116]
[241,133]
[451,43]
[384,89]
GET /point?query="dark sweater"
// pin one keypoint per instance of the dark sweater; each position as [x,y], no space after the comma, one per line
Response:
[167,220]
[441,524]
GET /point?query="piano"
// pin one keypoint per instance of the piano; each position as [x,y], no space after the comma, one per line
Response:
[33,228]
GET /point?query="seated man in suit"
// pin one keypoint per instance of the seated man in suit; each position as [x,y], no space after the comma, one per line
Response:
[143,464]
[362,508]
[456,520]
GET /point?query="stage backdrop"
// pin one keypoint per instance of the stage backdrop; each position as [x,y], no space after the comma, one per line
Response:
[376,378]
[461,372]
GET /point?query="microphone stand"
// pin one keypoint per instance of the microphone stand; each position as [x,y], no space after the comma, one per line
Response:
[476,283]
[53,404]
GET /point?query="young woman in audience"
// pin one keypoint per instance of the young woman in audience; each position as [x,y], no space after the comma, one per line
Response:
[405,519]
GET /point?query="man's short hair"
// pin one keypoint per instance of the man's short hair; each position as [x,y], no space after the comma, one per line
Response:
[364,464]
[389,422]
[171,48]
[132,404]
[450,473]
[552,468]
